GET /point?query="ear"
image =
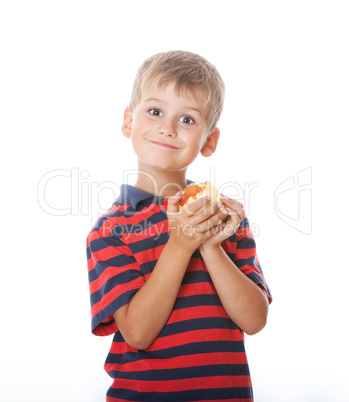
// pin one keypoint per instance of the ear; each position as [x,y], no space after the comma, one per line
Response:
[211,143]
[127,124]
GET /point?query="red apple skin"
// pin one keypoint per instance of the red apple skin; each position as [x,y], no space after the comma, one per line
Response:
[191,191]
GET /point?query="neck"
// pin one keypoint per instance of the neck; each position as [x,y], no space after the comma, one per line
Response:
[161,183]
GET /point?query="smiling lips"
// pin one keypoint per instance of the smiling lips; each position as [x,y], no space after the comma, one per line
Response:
[162,144]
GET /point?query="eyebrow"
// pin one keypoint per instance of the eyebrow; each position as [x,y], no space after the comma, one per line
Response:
[164,102]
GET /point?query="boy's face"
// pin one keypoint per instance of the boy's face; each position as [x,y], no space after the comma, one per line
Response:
[168,130]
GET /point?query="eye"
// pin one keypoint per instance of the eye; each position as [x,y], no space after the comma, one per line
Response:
[155,112]
[187,120]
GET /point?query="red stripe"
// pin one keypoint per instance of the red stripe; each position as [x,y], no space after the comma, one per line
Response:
[127,220]
[108,273]
[186,384]
[244,232]
[244,253]
[103,231]
[137,233]
[149,254]
[141,215]
[92,236]
[115,293]
[190,313]
[249,269]
[196,264]
[202,335]
[205,359]
[229,247]
[193,289]
[110,252]
[106,330]
[135,219]
[90,264]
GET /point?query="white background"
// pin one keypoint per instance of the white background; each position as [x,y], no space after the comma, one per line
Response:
[67,69]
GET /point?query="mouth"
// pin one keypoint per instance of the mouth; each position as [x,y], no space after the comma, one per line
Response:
[164,145]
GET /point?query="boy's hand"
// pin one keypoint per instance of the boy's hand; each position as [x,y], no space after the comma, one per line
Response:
[190,229]
[229,226]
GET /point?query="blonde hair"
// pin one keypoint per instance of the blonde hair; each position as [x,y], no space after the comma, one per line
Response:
[190,73]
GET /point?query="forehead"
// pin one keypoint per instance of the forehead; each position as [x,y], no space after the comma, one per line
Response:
[170,90]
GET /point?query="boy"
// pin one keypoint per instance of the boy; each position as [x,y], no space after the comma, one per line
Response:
[176,288]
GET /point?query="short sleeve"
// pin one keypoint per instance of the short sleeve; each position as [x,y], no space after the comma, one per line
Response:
[241,248]
[114,278]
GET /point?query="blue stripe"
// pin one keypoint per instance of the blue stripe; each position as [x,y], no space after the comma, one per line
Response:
[148,267]
[181,350]
[232,238]
[256,278]
[232,256]
[116,262]
[197,300]
[149,243]
[103,242]
[143,225]
[112,307]
[246,261]
[181,396]
[119,279]
[197,324]
[246,243]
[88,253]
[184,372]
[104,217]
[196,277]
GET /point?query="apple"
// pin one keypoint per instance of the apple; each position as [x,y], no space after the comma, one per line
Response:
[194,191]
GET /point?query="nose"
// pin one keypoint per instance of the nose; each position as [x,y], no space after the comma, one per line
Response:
[167,129]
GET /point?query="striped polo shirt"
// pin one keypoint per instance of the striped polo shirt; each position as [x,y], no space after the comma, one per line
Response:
[199,355]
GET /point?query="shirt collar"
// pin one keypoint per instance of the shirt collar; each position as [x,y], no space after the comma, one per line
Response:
[132,195]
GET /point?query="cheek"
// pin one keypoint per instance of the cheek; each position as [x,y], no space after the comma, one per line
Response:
[194,143]
[138,127]
[141,126]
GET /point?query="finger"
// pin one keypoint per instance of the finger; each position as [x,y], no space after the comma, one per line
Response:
[173,203]
[207,216]
[210,209]
[216,219]
[217,231]
[197,206]
[234,209]
[238,214]
[229,201]
[230,227]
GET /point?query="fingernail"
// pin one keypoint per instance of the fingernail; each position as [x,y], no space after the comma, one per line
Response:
[219,205]
[208,198]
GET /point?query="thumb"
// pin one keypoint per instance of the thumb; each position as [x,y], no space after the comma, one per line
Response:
[173,202]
